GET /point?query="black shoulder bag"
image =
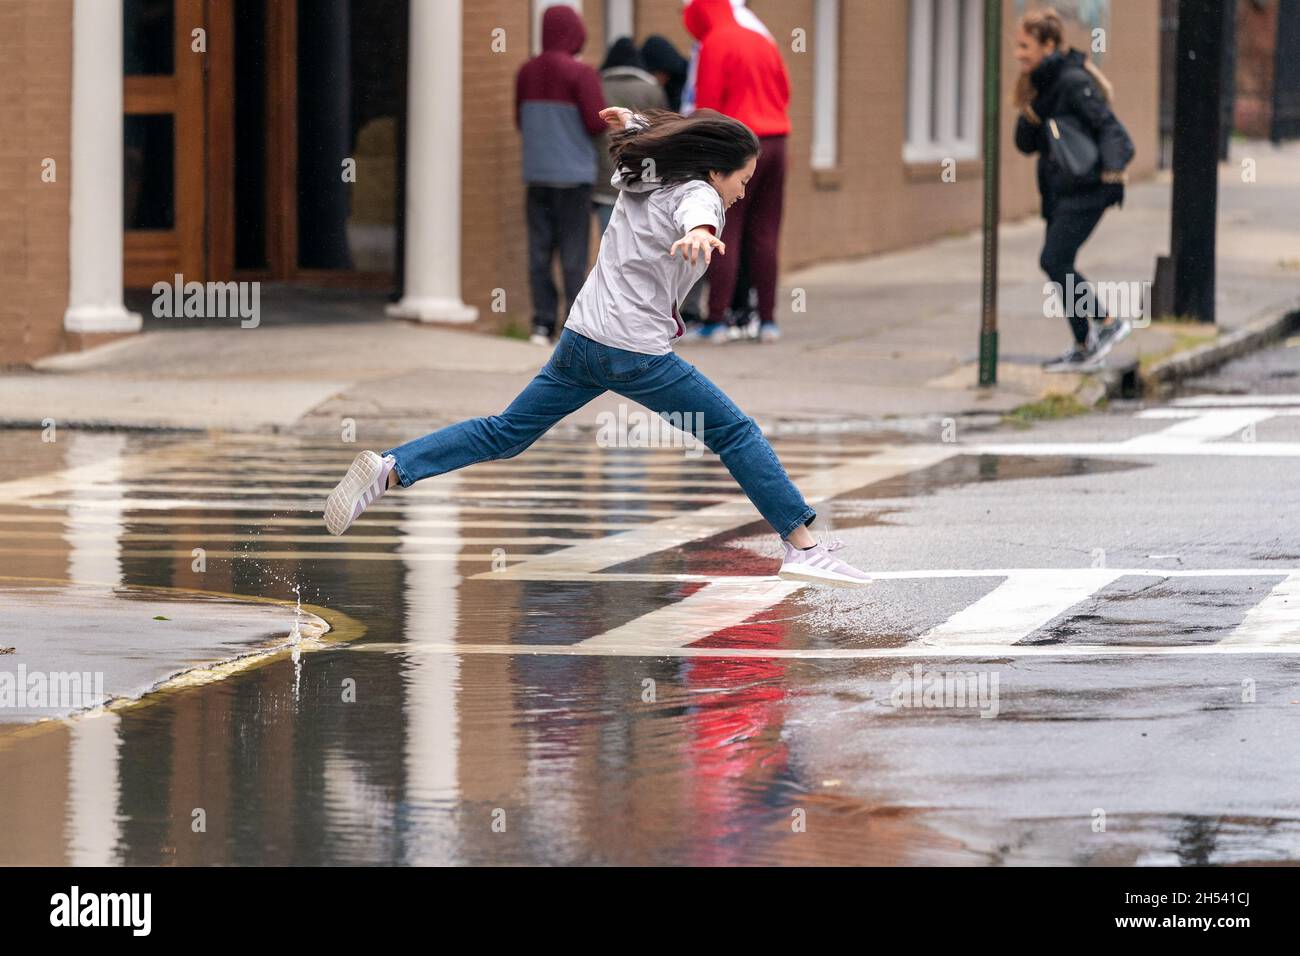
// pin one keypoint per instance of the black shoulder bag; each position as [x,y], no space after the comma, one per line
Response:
[1074,150]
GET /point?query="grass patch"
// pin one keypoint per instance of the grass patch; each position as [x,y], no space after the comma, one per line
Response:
[1188,334]
[514,330]
[1049,408]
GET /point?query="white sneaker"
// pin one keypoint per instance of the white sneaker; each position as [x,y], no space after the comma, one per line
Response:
[818,567]
[540,336]
[364,484]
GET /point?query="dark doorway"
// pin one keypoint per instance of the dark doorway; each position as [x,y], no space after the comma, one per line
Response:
[305,183]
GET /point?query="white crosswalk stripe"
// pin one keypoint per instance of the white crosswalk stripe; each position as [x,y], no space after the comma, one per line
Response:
[1274,620]
[1201,432]
[1017,607]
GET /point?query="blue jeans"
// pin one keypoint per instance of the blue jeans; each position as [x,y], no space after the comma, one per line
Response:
[580,370]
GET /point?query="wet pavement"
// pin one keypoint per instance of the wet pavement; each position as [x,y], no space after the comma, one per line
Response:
[1083,647]
[81,647]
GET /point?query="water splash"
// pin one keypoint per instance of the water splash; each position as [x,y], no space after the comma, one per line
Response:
[296,635]
[266,573]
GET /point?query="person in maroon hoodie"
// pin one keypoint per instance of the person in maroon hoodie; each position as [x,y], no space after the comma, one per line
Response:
[741,74]
[558,100]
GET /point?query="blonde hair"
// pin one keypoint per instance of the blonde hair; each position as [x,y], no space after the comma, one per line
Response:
[1046,26]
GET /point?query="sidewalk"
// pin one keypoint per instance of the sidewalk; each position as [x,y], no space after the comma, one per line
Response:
[893,336]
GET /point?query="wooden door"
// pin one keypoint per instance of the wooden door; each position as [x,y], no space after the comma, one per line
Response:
[164,119]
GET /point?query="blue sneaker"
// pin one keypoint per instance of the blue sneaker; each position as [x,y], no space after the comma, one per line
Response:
[706,332]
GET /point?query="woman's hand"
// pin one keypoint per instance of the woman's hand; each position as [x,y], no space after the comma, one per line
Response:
[616,117]
[698,240]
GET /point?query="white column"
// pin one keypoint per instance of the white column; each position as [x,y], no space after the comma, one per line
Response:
[95,240]
[433,140]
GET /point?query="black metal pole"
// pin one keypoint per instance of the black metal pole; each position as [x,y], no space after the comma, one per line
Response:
[1197,117]
[1228,99]
[992,205]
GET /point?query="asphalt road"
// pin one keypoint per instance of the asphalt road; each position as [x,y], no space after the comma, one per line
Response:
[1083,647]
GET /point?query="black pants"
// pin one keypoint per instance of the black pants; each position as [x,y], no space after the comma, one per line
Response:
[1067,230]
[559,218]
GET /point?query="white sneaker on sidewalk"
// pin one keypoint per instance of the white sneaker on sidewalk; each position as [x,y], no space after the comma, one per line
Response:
[365,483]
[817,566]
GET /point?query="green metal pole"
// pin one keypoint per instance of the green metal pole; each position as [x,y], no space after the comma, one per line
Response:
[992,205]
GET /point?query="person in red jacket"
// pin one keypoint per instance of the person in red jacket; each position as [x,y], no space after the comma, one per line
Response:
[741,74]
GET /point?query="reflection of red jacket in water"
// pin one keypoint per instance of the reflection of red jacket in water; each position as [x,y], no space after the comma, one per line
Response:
[740,73]
[736,745]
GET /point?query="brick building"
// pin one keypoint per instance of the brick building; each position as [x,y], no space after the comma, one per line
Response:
[259,140]
[1267,80]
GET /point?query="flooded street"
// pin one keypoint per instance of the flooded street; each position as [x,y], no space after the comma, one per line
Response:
[584,655]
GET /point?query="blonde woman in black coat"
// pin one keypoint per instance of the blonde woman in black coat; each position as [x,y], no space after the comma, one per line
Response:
[1059,89]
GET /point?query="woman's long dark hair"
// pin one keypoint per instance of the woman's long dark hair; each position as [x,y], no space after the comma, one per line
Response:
[678,149]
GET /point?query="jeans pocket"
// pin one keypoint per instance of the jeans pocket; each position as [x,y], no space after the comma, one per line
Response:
[620,365]
[562,356]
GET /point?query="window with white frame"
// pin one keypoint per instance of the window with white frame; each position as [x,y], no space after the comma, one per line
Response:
[619,19]
[945,80]
[826,84]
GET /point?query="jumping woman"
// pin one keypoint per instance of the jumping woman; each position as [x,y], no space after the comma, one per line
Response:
[1060,93]
[676,176]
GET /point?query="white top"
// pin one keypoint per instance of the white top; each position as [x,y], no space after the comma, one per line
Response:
[629,299]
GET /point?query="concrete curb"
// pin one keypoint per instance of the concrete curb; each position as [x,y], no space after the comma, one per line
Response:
[1128,381]
[1163,378]
[107,425]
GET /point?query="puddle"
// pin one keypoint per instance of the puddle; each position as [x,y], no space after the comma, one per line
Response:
[392,747]
[70,649]
[968,469]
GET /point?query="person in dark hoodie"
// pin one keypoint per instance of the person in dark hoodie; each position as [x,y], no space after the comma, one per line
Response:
[667,66]
[627,84]
[557,109]
[1059,82]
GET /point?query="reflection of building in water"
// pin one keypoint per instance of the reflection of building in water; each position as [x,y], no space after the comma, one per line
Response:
[95,524]
[92,812]
[431,692]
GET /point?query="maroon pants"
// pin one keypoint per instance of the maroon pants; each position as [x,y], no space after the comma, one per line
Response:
[753,231]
